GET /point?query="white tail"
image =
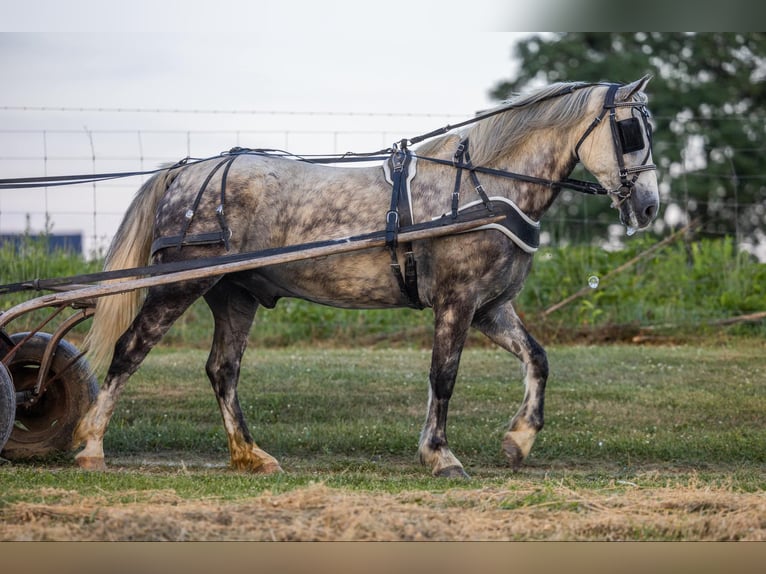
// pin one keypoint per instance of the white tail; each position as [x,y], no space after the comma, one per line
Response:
[130,248]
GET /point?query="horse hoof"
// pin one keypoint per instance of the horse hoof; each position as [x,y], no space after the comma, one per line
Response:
[271,468]
[256,467]
[452,472]
[514,454]
[91,463]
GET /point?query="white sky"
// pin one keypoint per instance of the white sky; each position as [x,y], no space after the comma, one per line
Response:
[427,62]
[330,55]
[275,71]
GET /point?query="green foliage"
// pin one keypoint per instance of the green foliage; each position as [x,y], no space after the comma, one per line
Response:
[707,98]
[685,286]
[32,259]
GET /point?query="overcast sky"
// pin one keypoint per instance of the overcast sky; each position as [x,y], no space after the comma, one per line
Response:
[273,71]
[332,55]
[431,63]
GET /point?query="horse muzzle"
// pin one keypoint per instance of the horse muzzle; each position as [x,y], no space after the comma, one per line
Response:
[638,204]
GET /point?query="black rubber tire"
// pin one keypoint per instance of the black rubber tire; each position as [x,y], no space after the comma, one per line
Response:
[7,405]
[48,425]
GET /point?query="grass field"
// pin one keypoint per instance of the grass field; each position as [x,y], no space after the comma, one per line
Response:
[640,443]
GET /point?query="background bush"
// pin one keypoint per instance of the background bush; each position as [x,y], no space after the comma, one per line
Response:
[679,291]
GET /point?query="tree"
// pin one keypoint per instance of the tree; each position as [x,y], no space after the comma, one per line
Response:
[708,99]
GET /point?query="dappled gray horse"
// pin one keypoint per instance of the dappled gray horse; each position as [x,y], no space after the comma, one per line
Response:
[521,151]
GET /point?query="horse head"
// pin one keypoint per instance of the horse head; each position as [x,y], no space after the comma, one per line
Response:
[618,152]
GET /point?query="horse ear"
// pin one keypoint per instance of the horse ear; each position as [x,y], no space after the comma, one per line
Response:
[627,91]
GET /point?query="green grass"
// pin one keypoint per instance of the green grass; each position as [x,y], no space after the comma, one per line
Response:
[351,419]
[356,412]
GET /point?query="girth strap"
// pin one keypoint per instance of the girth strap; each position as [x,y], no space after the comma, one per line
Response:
[399,214]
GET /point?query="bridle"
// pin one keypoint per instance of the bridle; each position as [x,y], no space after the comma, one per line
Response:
[628,137]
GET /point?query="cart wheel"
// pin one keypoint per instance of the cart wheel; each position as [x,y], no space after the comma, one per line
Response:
[47,426]
[7,405]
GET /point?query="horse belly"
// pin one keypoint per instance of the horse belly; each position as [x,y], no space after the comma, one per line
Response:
[352,281]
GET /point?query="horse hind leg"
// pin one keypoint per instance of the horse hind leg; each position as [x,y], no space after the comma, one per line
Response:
[162,307]
[503,326]
[234,310]
[451,324]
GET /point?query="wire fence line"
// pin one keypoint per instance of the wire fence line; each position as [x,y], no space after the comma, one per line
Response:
[95,210]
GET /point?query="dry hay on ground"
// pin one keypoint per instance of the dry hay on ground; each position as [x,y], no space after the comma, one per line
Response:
[319,513]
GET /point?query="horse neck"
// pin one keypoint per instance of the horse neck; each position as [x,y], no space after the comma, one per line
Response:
[545,155]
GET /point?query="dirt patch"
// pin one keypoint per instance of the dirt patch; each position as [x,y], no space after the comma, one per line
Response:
[318,513]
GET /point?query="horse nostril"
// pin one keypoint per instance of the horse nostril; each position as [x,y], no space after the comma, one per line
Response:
[650,211]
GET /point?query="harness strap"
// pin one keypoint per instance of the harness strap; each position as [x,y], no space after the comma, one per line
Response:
[475,180]
[609,104]
[588,187]
[399,214]
[620,143]
[179,241]
[210,238]
[611,91]
[219,210]
[462,160]
[189,215]
[458,162]
[516,225]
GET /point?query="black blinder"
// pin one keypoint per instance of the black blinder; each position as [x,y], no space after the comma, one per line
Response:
[631,137]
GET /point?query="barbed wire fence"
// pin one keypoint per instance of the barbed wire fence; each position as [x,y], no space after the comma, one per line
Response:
[94,210]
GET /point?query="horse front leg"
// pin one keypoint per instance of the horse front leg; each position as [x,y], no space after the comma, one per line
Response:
[451,325]
[503,326]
